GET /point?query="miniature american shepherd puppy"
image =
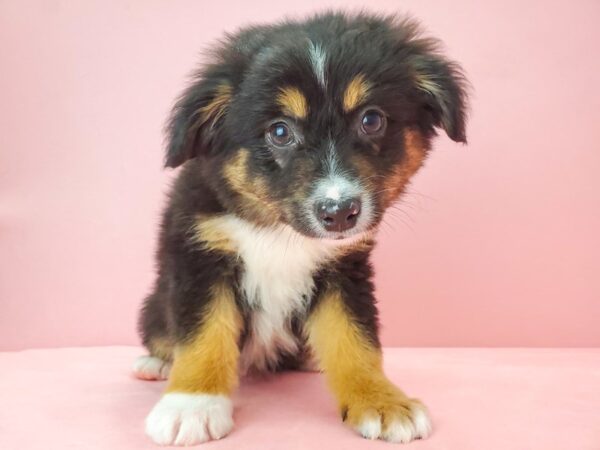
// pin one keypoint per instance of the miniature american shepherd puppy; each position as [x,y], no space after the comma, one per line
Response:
[293,140]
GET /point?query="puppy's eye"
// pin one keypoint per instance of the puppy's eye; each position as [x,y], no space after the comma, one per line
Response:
[280,134]
[372,122]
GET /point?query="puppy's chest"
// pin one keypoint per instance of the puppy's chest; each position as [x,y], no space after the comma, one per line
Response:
[277,284]
[275,292]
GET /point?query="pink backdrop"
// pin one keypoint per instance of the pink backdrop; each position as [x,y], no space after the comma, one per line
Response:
[498,244]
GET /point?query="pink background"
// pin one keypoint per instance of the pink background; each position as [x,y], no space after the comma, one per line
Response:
[498,244]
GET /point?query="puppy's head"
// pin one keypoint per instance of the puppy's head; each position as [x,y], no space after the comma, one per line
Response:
[319,124]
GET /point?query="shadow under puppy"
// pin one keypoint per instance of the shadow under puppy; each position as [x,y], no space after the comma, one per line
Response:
[294,141]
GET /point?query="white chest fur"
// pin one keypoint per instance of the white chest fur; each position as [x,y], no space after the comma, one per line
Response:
[277,283]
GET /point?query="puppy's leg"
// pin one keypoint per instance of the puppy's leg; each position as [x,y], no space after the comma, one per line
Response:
[196,406]
[154,332]
[352,363]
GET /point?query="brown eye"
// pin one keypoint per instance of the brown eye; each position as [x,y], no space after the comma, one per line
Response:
[372,122]
[280,134]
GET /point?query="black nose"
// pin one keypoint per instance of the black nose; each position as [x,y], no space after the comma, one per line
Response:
[338,215]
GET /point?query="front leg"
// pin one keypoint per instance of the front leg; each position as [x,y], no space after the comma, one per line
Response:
[196,406]
[352,362]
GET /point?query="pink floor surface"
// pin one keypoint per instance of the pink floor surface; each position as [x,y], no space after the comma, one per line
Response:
[479,399]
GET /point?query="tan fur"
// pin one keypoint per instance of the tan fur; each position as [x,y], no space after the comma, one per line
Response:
[353,365]
[254,189]
[355,93]
[235,170]
[217,107]
[208,363]
[236,174]
[209,233]
[293,102]
[365,243]
[415,146]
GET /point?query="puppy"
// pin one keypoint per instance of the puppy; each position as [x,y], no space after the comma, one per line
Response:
[293,142]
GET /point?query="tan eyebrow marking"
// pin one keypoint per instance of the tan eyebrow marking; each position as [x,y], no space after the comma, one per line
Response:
[356,92]
[293,102]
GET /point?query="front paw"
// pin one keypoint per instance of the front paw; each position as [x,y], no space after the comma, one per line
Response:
[387,415]
[188,419]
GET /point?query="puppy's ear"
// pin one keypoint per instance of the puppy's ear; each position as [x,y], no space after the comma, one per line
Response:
[198,116]
[442,91]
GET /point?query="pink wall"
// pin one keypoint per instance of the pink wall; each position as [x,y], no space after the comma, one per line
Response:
[498,245]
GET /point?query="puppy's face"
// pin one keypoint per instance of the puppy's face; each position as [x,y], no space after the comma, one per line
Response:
[318,125]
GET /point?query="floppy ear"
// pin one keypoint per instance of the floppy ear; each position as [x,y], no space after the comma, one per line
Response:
[442,88]
[197,116]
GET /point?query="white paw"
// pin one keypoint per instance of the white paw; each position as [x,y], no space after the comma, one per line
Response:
[151,368]
[370,428]
[188,419]
[412,424]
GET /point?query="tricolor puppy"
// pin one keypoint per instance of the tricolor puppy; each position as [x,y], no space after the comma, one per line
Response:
[293,142]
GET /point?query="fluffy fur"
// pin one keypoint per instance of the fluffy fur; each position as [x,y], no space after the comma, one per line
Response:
[294,141]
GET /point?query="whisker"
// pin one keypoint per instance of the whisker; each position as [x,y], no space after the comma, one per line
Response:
[396,217]
[415,193]
[397,208]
